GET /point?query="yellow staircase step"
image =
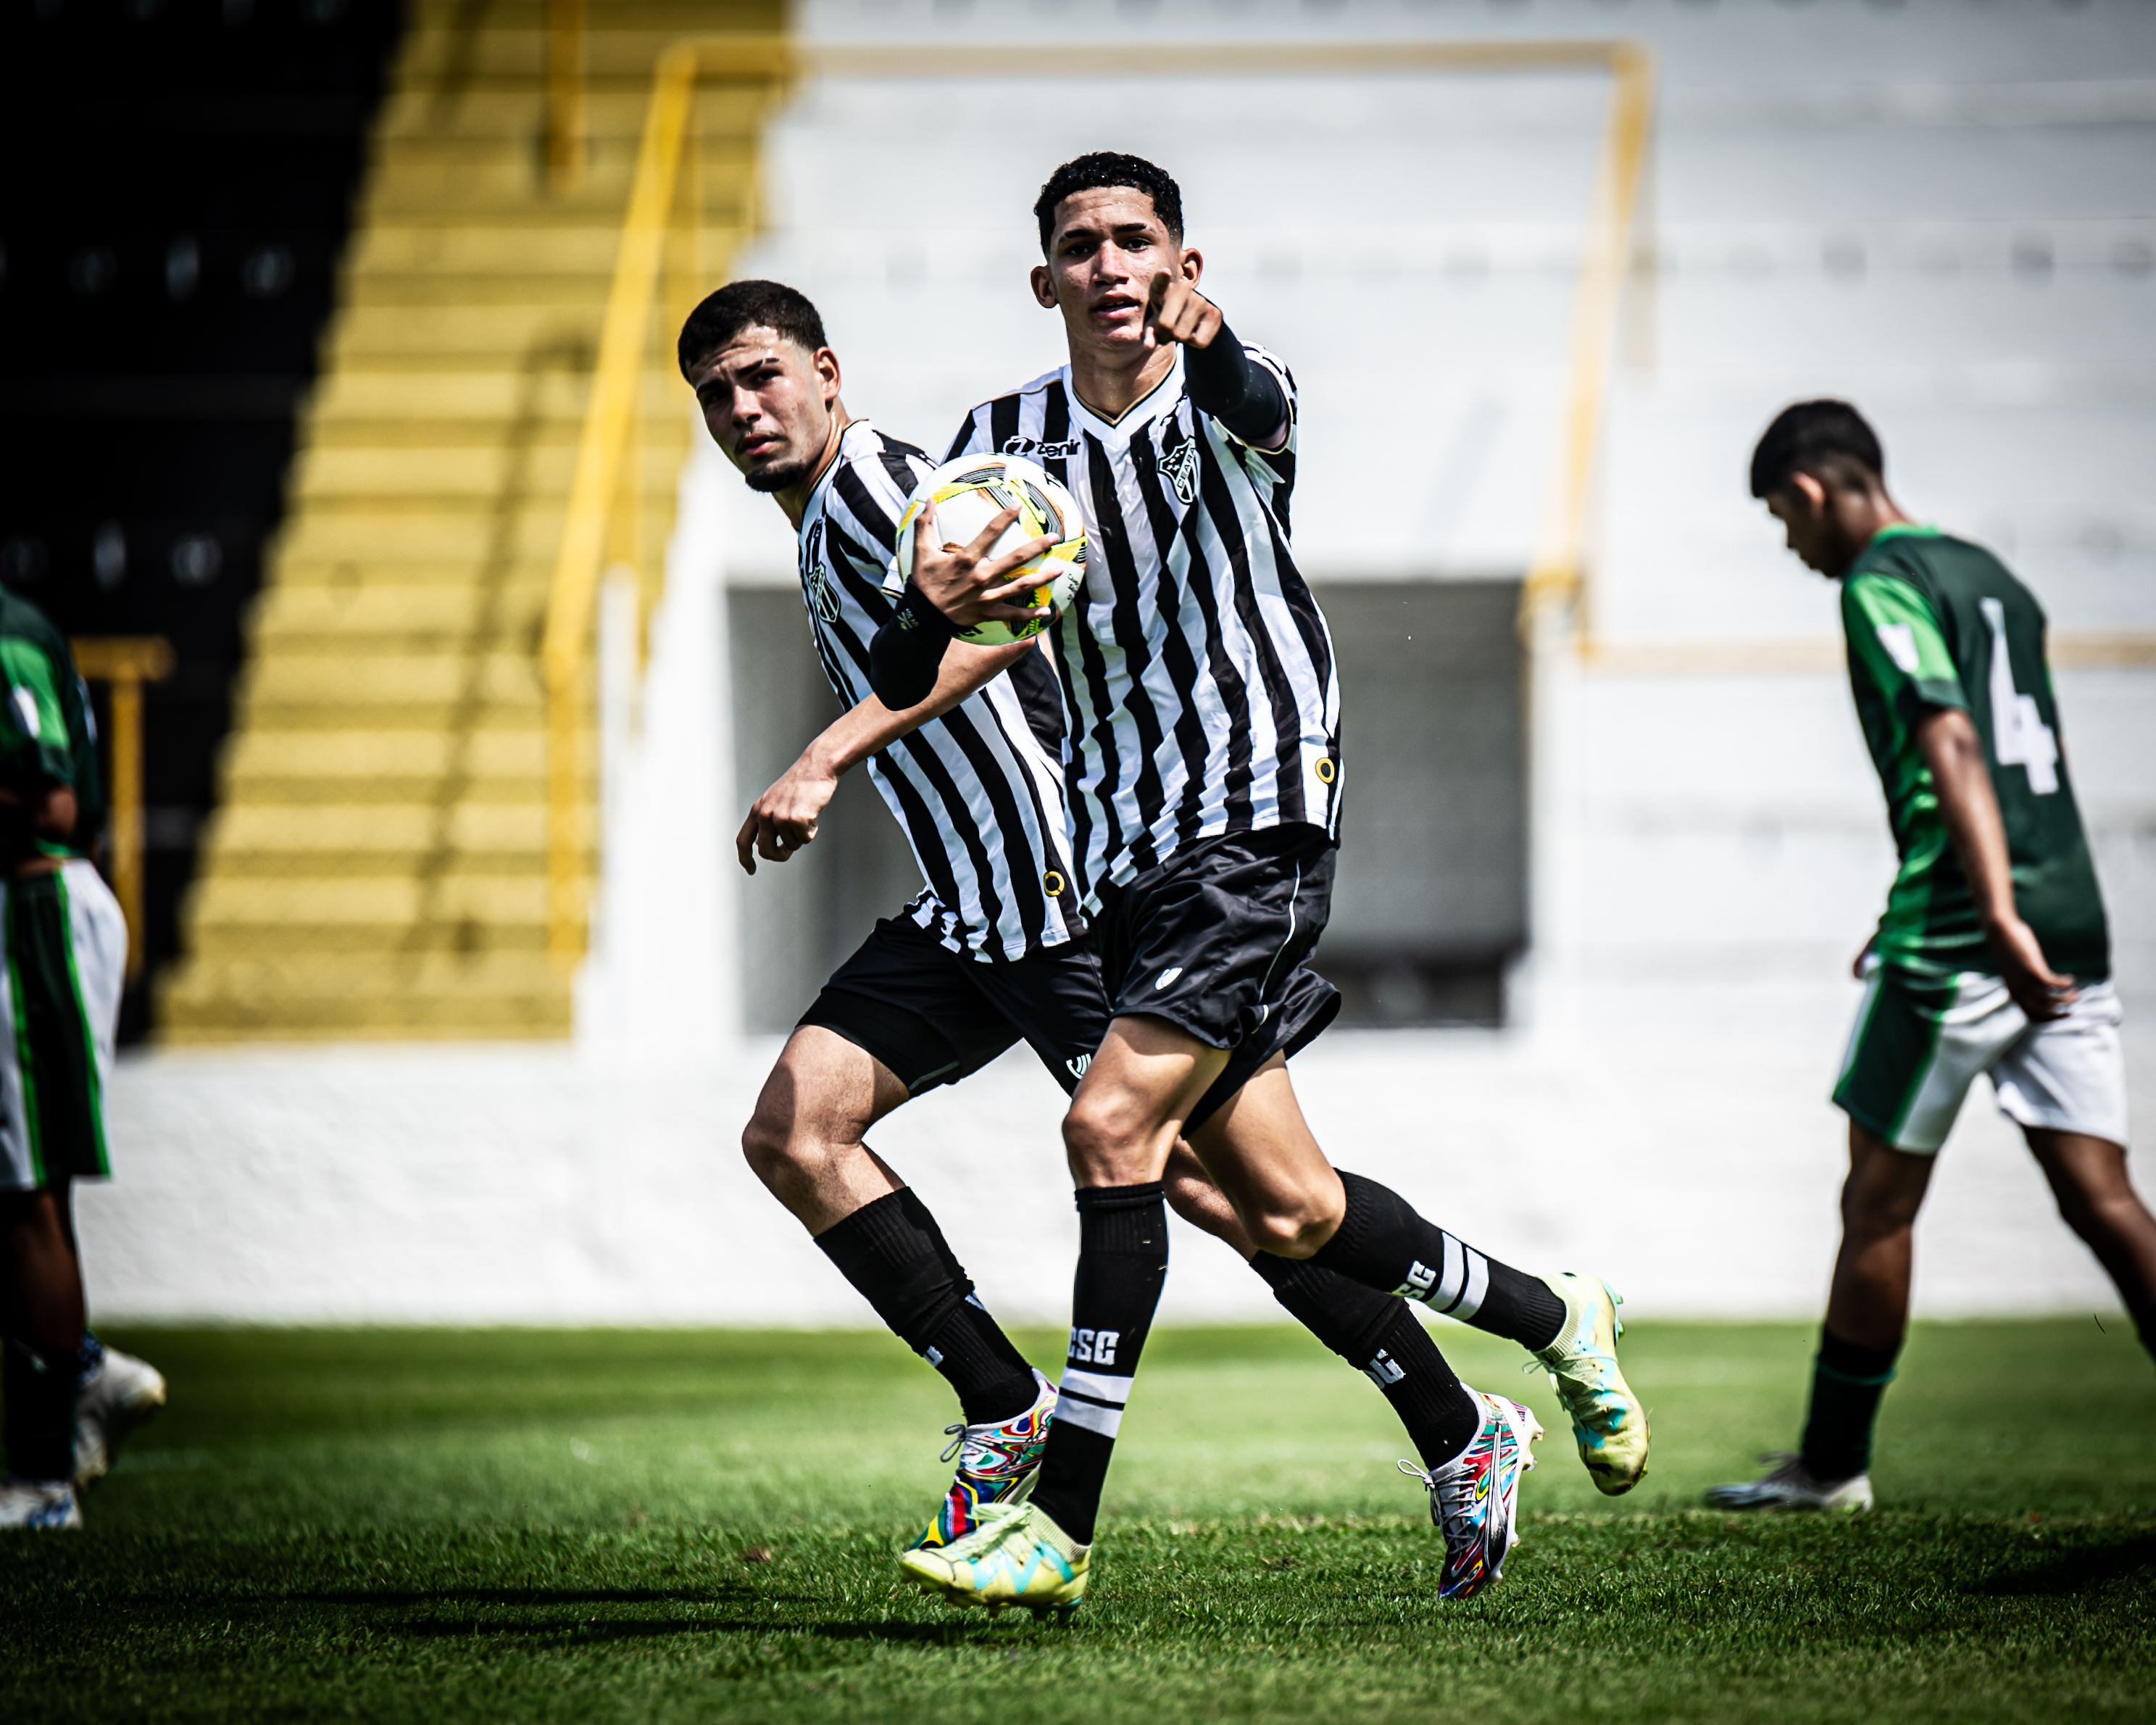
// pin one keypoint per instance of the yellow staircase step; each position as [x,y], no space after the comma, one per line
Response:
[378,866]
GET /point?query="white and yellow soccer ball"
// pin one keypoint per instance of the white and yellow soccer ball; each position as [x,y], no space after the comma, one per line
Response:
[972,491]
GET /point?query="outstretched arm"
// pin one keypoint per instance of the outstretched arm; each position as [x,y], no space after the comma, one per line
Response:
[1955,754]
[784,817]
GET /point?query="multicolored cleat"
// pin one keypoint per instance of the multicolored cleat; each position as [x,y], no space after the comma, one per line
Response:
[1017,1556]
[998,1463]
[1608,1421]
[1474,1497]
[1790,1486]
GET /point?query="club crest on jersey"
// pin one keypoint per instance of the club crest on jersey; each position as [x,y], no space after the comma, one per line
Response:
[816,577]
[1034,450]
[1178,466]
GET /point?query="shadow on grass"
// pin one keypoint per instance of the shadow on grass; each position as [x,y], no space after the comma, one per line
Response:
[577,1629]
[539,1596]
[630,1629]
[2075,1571]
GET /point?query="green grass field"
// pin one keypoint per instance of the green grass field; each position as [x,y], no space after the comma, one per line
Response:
[528,1526]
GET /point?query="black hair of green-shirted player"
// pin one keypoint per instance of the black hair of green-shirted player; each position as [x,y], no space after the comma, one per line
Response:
[741,305]
[1103,168]
[1812,436]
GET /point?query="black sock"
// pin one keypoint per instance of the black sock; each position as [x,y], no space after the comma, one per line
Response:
[1847,1382]
[41,1385]
[2144,1325]
[1380,1337]
[1383,1244]
[1122,1261]
[894,1255]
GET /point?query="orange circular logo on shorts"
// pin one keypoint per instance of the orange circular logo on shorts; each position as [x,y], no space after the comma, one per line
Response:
[1324,772]
[1051,883]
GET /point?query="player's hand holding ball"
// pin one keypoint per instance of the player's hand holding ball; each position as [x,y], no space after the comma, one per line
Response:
[995,545]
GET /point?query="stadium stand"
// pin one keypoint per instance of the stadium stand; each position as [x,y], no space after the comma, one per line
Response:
[181,179]
[377,865]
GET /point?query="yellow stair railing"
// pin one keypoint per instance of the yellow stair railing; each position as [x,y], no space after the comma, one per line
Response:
[123,664]
[596,523]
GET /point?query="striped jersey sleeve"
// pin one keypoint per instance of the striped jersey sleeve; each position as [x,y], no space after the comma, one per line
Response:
[978,791]
[1200,692]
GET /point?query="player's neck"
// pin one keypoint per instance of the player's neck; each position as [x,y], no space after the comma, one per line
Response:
[795,498]
[1877,514]
[1860,517]
[1109,384]
[1855,520]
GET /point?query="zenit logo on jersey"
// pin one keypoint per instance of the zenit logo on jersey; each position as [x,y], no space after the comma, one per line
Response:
[978,791]
[1035,450]
[1200,695]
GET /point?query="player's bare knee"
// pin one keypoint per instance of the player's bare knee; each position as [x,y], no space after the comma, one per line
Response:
[2099,1216]
[780,1140]
[1102,1148]
[767,1143]
[1288,1225]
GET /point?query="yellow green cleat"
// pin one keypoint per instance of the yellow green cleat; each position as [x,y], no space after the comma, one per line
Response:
[1608,1421]
[1016,1556]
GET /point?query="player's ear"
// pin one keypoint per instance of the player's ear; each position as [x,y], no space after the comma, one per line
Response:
[1194,264]
[1044,287]
[1808,492]
[827,373]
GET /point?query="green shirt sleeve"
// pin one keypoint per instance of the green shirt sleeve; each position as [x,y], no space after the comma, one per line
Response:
[1894,635]
[33,728]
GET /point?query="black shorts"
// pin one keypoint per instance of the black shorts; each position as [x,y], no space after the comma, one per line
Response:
[1216,941]
[934,1017]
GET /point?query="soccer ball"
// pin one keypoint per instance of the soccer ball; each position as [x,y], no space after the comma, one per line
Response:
[970,493]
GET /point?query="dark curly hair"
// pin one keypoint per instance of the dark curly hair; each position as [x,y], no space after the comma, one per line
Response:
[745,305]
[1106,167]
[1811,435]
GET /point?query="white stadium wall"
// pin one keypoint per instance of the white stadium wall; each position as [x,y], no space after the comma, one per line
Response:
[1938,209]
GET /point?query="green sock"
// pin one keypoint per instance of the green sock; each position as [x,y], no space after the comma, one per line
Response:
[1847,1382]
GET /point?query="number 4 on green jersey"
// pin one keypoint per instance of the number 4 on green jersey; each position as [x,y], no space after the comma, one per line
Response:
[1934,622]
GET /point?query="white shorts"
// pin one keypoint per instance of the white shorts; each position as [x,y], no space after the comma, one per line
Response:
[1920,1042]
[66,951]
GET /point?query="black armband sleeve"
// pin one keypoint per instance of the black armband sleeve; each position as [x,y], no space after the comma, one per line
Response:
[1225,383]
[907,652]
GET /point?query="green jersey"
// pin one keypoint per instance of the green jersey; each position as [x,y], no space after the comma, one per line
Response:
[48,736]
[1935,622]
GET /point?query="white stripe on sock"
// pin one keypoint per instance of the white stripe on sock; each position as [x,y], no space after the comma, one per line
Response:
[1454,1277]
[1100,1387]
[1073,1412]
[1478,1285]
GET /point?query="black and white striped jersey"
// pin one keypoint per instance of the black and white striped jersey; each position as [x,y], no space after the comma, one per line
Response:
[1197,675]
[978,791]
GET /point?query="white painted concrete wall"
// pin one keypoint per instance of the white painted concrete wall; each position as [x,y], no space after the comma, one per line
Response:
[1842,193]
